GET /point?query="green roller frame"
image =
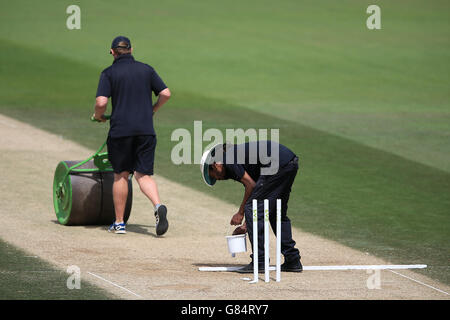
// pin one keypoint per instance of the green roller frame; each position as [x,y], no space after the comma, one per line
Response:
[62,182]
[62,186]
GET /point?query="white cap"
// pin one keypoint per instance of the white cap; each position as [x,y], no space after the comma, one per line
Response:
[206,160]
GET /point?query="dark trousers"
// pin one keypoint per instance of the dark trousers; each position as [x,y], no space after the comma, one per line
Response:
[273,187]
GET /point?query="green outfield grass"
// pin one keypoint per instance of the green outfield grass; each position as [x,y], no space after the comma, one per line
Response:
[26,277]
[367,111]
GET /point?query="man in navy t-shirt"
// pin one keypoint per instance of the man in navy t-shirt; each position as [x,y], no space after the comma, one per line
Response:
[131,138]
[267,171]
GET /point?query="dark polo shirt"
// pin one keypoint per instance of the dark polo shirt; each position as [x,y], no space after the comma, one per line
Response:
[249,157]
[130,84]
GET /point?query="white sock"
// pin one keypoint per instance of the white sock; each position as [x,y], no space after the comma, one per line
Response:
[157,206]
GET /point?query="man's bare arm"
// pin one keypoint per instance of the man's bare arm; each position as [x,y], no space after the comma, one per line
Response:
[249,185]
[100,108]
[163,96]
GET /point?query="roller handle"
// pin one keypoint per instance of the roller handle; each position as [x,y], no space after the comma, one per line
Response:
[105,116]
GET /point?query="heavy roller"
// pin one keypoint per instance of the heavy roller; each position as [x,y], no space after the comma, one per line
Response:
[82,191]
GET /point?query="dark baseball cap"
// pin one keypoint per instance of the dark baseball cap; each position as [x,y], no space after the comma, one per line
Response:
[117,40]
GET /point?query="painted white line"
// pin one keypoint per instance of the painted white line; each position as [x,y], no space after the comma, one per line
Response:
[367,267]
[219,269]
[420,282]
[328,268]
[115,284]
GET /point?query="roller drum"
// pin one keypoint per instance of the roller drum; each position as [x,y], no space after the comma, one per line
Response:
[85,198]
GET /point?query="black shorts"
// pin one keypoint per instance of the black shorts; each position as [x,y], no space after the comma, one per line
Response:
[131,154]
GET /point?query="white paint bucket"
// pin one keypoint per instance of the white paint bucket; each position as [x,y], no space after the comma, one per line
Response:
[237,243]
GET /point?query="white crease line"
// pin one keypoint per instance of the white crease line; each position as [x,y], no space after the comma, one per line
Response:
[424,284]
[115,284]
[331,268]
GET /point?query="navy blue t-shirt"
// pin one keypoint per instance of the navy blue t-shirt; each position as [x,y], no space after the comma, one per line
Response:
[251,158]
[130,83]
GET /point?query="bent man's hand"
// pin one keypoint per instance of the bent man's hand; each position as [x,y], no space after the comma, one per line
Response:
[237,219]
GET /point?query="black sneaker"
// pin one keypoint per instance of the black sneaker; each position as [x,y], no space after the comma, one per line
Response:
[292,266]
[249,268]
[161,220]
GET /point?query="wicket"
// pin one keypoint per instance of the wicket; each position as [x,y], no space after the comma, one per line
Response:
[266,241]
